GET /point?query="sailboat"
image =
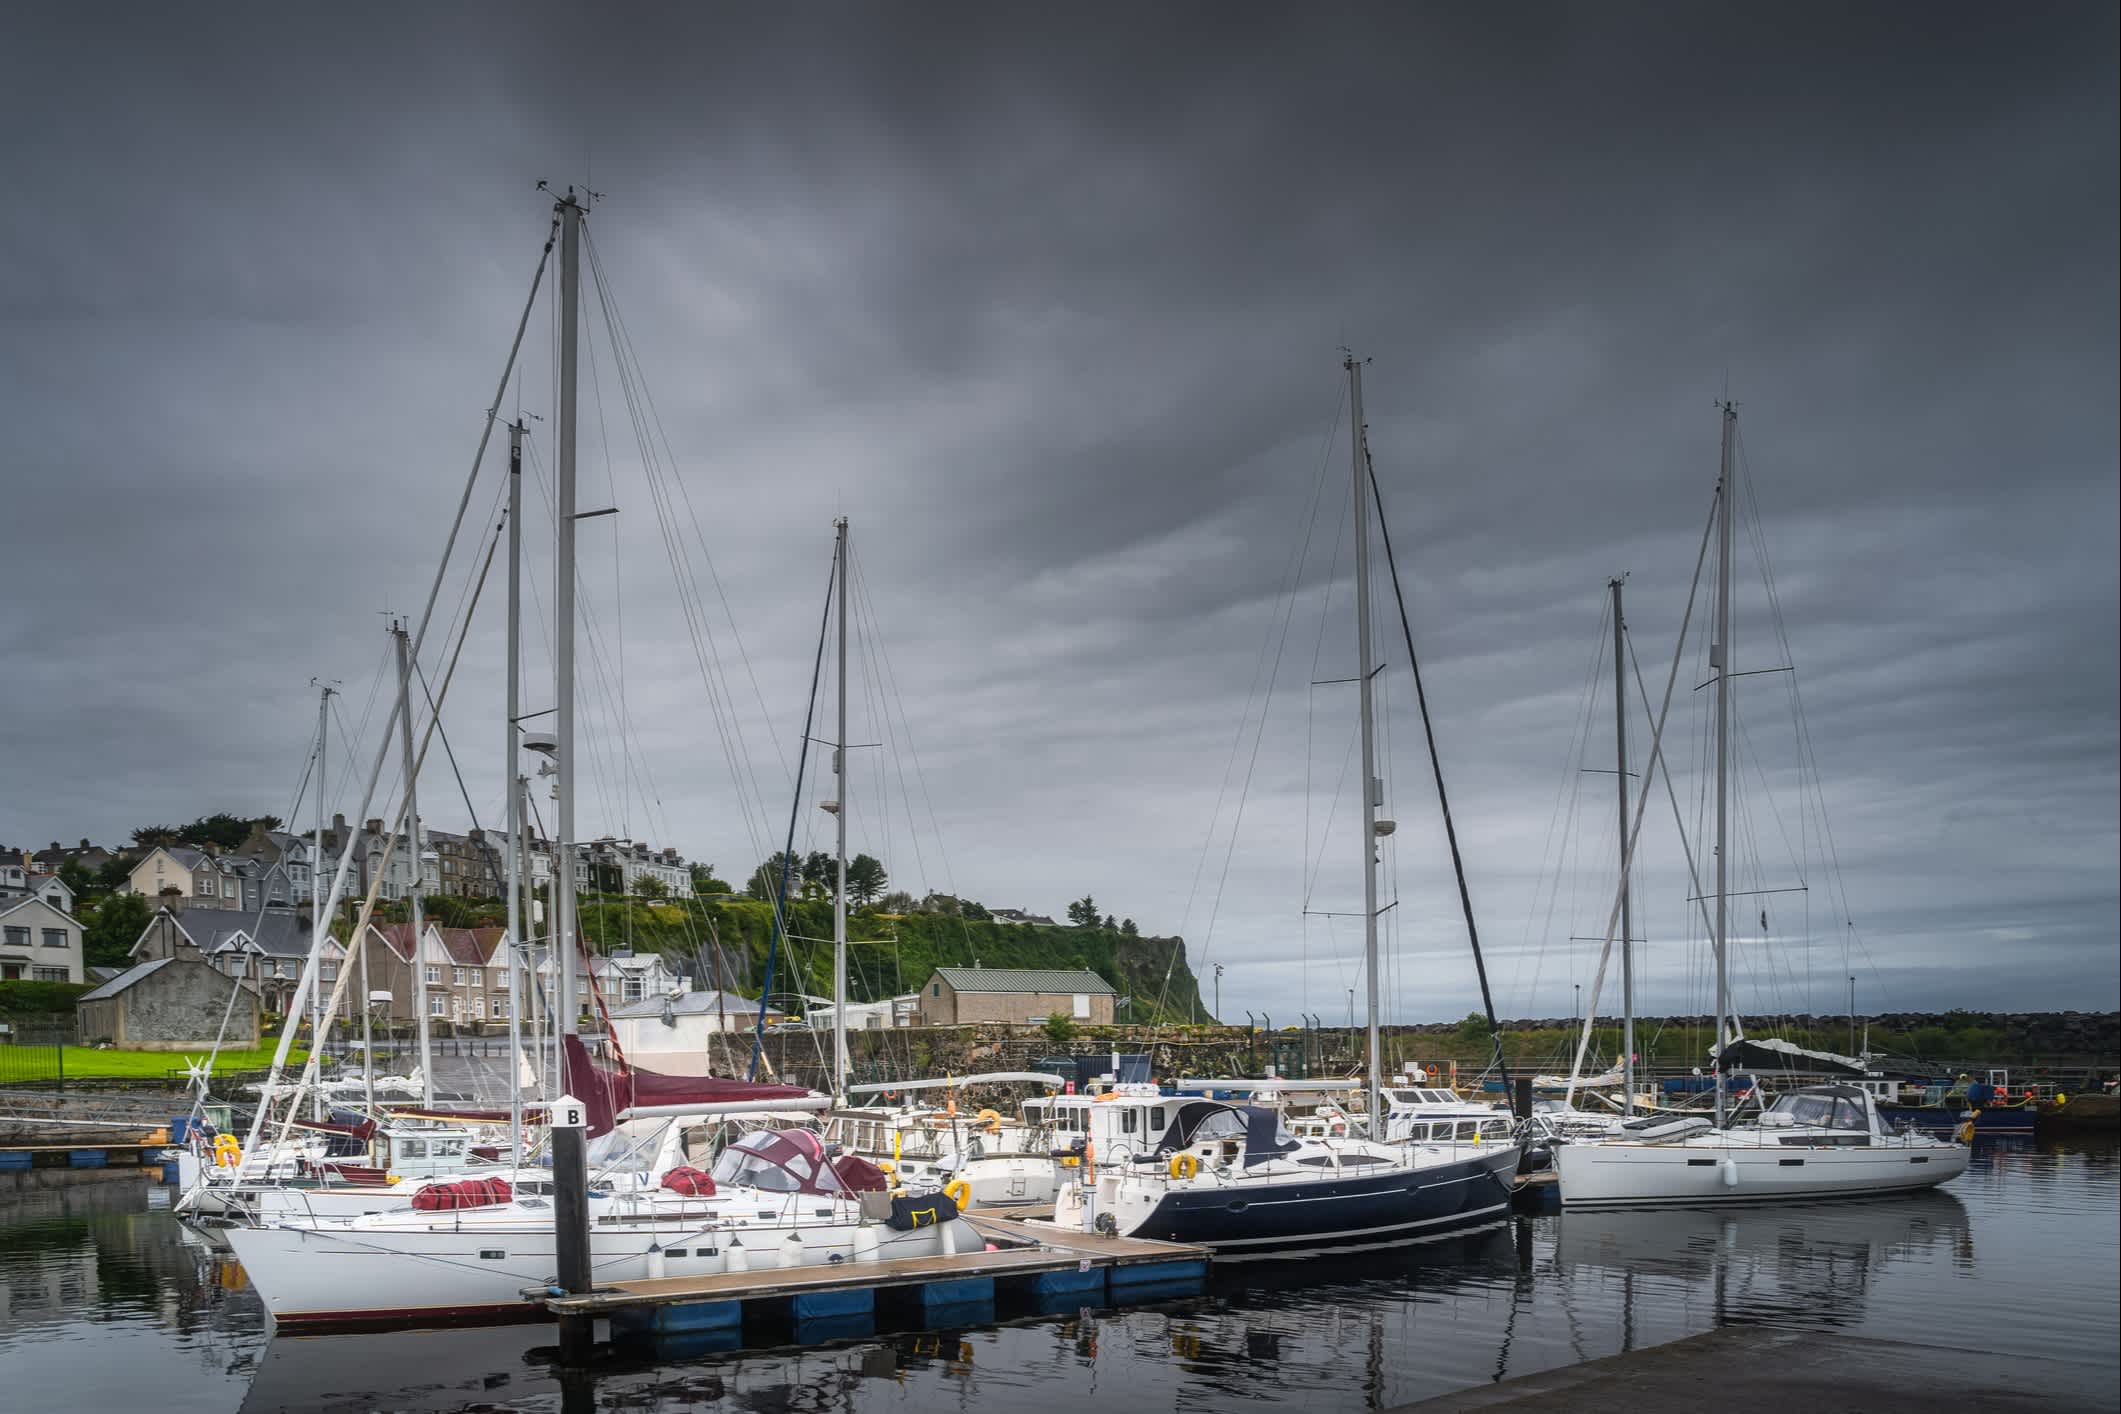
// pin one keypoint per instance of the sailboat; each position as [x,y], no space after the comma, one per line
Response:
[773,1198]
[1828,1140]
[1231,1176]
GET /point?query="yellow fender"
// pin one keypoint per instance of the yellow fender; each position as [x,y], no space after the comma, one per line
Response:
[959,1192]
[1184,1167]
[990,1119]
[228,1150]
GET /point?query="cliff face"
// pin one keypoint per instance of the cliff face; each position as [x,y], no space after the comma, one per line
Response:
[892,954]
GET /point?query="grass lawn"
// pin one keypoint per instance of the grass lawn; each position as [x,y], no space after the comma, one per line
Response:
[84,1063]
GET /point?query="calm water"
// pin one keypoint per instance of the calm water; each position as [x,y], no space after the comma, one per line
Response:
[107,1305]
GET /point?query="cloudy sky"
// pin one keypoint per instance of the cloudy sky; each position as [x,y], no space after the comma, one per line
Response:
[1049,302]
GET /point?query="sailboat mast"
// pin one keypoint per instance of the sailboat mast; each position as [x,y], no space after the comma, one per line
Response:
[569,1154]
[512,940]
[1372,788]
[1720,660]
[320,926]
[1627,899]
[412,849]
[839,815]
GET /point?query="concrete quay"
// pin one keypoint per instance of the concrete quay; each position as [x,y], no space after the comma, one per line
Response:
[1752,1367]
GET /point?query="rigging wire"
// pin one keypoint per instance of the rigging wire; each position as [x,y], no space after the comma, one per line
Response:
[1443,799]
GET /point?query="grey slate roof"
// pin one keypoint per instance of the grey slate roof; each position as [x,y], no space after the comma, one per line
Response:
[1024,979]
[124,980]
[275,934]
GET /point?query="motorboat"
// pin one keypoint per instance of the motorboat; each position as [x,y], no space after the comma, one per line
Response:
[1000,1160]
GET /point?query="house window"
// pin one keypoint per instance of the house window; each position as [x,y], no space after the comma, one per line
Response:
[18,937]
[49,974]
[457,975]
[936,990]
[228,888]
[329,971]
[55,937]
[500,1008]
[438,1006]
[205,888]
[478,1007]
[434,975]
[1082,1004]
[632,990]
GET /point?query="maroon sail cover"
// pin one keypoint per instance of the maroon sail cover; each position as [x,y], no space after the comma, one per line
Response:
[604,1092]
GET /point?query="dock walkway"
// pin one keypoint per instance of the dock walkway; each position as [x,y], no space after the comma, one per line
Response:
[1044,1263]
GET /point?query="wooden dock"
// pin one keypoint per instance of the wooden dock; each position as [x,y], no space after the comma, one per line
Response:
[1045,1264]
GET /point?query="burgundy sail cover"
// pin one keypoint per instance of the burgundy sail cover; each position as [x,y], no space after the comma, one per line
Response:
[604,1093]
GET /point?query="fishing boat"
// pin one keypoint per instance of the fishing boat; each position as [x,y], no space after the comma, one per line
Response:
[1817,1141]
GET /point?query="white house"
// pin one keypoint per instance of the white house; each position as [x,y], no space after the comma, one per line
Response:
[670,1033]
[39,943]
[16,881]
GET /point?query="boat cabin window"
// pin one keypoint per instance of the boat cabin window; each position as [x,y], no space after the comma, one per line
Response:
[410,1149]
[698,1142]
[1821,1110]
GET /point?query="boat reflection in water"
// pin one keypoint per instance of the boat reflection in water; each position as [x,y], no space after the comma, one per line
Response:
[1807,1264]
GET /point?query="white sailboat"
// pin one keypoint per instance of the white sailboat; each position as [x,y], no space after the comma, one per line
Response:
[775,1197]
[1821,1141]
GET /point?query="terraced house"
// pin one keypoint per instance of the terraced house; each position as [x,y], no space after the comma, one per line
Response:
[466,972]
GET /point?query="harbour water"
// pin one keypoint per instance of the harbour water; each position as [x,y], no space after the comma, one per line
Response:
[106,1304]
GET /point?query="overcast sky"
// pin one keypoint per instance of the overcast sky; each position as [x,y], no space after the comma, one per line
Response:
[1049,302]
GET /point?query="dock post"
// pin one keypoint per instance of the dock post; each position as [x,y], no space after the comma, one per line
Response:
[570,1215]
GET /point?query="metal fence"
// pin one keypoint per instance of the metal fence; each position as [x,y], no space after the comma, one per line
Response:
[33,1060]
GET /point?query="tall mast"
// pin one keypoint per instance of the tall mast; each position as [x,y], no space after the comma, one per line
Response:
[569,1159]
[839,815]
[1627,899]
[512,940]
[412,849]
[1372,788]
[320,926]
[1720,660]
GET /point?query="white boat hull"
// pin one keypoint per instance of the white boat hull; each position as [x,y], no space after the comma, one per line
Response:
[1700,1172]
[460,1268]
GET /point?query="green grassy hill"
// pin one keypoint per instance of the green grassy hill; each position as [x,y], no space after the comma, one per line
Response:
[892,953]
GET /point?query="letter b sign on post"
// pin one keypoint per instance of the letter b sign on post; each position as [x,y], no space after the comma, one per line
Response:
[568,1113]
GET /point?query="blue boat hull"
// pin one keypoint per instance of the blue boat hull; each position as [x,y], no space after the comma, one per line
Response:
[1946,1119]
[1342,1214]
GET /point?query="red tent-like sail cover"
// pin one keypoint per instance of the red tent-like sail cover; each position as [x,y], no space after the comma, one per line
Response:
[604,1093]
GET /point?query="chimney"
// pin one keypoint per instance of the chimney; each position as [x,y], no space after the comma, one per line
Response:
[374,826]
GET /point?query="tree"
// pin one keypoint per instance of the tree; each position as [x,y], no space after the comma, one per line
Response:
[1474,1027]
[898,901]
[1127,928]
[1059,1028]
[975,910]
[148,836]
[76,876]
[648,886]
[820,873]
[1110,924]
[704,882]
[765,881]
[1083,912]
[108,935]
[865,878]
